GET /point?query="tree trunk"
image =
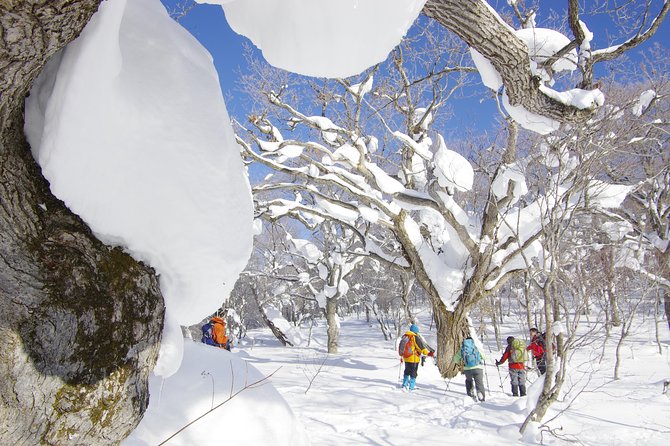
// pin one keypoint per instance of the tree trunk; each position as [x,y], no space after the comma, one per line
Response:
[276,331]
[80,322]
[666,300]
[333,323]
[452,329]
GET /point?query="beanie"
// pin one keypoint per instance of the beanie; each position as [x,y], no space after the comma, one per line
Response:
[414,328]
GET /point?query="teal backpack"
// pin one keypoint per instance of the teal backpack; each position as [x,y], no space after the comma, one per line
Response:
[470,354]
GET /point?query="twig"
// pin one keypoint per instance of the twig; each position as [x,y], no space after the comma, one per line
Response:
[316,374]
[218,405]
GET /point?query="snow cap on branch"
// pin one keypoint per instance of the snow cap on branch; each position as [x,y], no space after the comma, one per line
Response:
[452,169]
[297,35]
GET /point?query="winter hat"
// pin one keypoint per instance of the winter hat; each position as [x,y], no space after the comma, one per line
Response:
[510,339]
[414,328]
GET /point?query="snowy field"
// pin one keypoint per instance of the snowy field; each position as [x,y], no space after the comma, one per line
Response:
[353,398]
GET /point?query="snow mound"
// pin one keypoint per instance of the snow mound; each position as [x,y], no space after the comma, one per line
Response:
[543,43]
[207,378]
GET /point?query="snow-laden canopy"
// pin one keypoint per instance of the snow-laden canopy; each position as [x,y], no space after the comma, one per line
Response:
[130,128]
[323,38]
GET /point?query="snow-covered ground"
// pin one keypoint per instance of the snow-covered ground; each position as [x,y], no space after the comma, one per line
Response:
[353,398]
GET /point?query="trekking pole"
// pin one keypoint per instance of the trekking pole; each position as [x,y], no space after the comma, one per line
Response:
[400,373]
[499,377]
[486,374]
[448,382]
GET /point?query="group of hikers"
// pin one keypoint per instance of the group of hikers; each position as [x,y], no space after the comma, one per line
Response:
[413,349]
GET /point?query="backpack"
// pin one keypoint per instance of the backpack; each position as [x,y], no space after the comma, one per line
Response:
[518,351]
[470,354]
[207,334]
[406,346]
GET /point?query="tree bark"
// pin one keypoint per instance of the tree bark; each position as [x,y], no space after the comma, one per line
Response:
[481,29]
[273,328]
[80,322]
[333,323]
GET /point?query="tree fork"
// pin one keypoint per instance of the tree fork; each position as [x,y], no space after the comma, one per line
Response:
[481,29]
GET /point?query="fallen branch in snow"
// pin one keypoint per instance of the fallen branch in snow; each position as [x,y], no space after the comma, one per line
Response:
[233,395]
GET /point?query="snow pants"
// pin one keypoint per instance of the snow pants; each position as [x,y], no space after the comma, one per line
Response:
[409,380]
[476,375]
[411,369]
[517,378]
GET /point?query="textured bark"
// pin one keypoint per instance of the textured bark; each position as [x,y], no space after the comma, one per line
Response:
[333,323]
[80,322]
[481,29]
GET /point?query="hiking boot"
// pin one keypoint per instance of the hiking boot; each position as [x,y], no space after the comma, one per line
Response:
[515,390]
[522,390]
[412,383]
[405,382]
[481,396]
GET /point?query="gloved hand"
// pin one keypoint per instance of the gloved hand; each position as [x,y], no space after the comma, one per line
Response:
[431,353]
[497,363]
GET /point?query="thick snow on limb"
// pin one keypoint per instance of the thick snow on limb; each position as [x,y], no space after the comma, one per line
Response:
[325,38]
[130,128]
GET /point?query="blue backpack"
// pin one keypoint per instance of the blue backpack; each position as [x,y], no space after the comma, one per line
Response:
[207,334]
[470,354]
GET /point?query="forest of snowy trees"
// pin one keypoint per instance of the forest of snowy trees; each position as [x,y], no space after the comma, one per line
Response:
[367,202]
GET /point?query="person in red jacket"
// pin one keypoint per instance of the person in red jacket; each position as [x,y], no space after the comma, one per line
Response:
[517,370]
[537,348]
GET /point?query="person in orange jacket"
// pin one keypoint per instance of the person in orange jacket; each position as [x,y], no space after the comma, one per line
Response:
[219,333]
[412,347]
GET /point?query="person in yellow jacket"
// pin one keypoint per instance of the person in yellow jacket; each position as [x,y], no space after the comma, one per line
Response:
[411,348]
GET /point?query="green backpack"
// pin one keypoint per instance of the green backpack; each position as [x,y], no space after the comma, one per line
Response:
[518,351]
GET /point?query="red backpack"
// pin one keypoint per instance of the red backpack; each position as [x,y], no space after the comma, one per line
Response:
[406,346]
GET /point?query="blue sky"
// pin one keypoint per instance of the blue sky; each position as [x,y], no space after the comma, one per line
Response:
[208,24]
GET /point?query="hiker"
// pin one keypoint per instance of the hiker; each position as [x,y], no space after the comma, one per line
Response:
[537,348]
[472,361]
[516,353]
[411,349]
[214,333]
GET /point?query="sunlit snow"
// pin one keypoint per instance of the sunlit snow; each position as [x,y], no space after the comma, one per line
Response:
[326,38]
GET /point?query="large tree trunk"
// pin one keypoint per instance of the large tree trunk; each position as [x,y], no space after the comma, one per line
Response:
[452,329]
[80,323]
[452,326]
